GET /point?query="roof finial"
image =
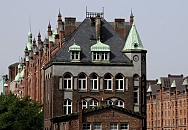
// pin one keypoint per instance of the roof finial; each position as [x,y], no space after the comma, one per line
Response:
[59,15]
[131,13]
[49,25]
[29,23]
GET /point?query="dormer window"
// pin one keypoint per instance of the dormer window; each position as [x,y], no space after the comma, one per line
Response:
[75,52]
[100,52]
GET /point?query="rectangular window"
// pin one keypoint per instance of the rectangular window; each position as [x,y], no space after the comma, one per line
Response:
[119,84]
[100,56]
[96,56]
[75,55]
[136,96]
[86,126]
[67,83]
[108,84]
[94,84]
[113,126]
[82,83]
[97,126]
[104,56]
[124,126]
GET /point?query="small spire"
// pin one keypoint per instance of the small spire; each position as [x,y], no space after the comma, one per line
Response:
[26,48]
[59,15]
[131,13]
[39,34]
[34,41]
[49,25]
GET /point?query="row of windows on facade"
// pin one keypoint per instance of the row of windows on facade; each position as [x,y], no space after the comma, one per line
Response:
[96,56]
[121,83]
[67,104]
[98,126]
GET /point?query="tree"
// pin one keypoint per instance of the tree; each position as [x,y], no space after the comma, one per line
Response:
[20,114]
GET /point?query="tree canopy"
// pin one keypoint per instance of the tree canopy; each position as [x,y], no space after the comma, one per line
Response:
[20,114]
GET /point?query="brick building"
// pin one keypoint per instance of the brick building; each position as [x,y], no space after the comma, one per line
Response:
[101,64]
[167,103]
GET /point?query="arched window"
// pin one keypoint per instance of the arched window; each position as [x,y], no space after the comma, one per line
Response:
[67,81]
[82,82]
[108,82]
[93,103]
[119,82]
[93,82]
[109,102]
[119,103]
[84,104]
[67,107]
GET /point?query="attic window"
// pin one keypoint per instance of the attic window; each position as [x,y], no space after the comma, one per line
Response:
[75,52]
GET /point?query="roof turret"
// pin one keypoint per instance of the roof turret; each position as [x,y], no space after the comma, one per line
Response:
[185,82]
[99,46]
[75,47]
[149,89]
[133,41]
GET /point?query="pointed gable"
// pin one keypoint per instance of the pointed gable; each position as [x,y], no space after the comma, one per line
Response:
[133,41]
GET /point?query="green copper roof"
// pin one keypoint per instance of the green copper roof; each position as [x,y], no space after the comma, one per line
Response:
[149,89]
[99,46]
[75,47]
[29,46]
[185,82]
[22,73]
[133,41]
[55,32]
[173,85]
[159,81]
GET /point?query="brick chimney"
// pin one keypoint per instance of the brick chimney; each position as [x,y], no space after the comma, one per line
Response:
[70,26]
[120,26]
[80,113]
[98,26]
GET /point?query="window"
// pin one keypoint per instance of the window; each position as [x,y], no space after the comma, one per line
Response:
[93,82]
[124,126]
[136,80]
[67,81]
[119,82]
[136,96]
[82,81]
[67,107]
[84,104]
[86,126]
[75,55]
[97,126]
[109,102]
[108,82]
[113,126]
[93,103]
[101,56]
[119,103]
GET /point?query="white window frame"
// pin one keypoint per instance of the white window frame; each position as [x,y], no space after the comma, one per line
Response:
[93,82]
[92,103]
[100,56]
[67,106]
[118,87]
[67,81]
[113,126]
[81,82]
[86,126]
[104,55]
[136,98]
[96,56]
[84,106]
[108,102]
[107,82]
[75,55]
[123,126]
[118,103]
[97,126]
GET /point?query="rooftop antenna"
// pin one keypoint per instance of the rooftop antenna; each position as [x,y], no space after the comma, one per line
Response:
[86,11]
[29,23]
[103,11]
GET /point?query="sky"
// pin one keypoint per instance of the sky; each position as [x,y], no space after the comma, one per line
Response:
[161,24]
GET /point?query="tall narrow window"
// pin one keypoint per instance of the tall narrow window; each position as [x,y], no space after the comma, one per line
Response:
[136,95]
[75,55]
[119,103]
[136,80]
[108,82]
[67,107]
[93,82]
[119,82]
[67,81]
[93,103]
[82,82]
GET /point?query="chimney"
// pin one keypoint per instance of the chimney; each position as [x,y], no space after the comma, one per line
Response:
[80,114]
[120,26]
[98,26]
[70,26]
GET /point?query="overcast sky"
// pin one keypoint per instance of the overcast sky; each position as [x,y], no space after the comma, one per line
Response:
[161,24]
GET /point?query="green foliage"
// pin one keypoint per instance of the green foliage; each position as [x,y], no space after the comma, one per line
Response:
[20,114]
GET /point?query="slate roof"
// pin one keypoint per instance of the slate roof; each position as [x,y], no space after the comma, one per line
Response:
[84,36]
[97,108]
